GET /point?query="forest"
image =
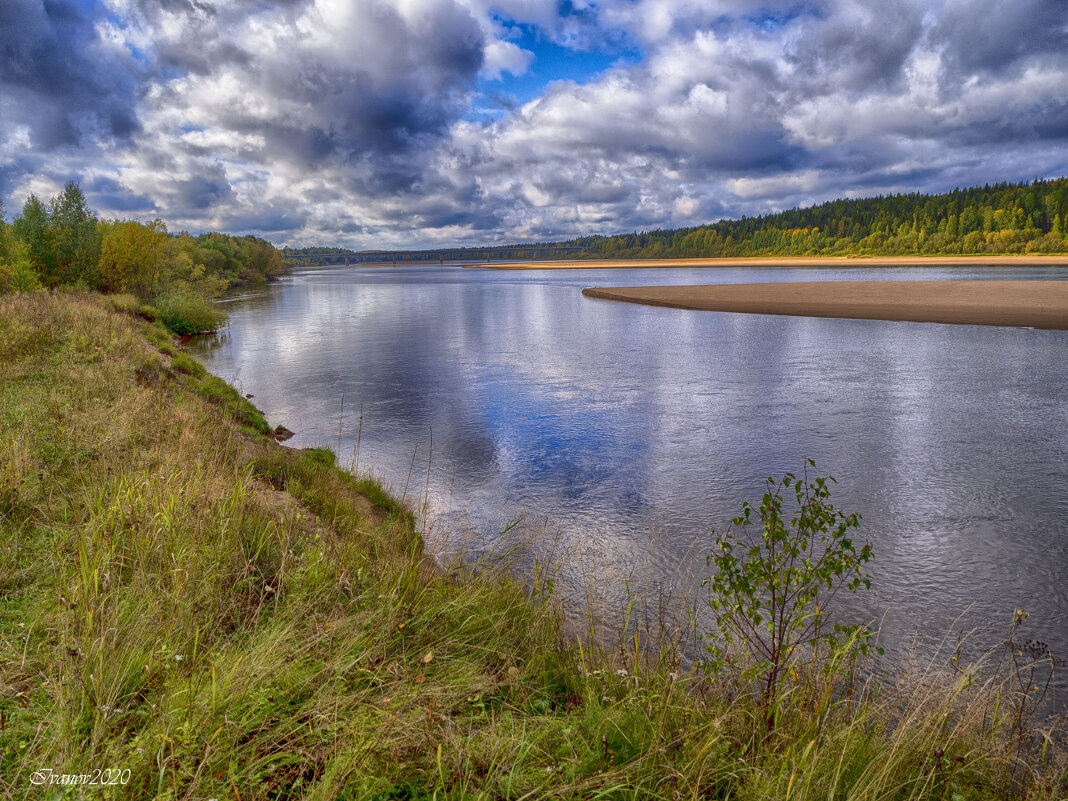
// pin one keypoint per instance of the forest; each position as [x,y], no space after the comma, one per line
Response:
[64,243]
[998,218]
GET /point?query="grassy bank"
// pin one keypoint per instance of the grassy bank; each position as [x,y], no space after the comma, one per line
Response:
[222,617]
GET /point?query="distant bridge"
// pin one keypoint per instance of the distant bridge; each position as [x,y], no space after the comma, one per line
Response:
[509,253]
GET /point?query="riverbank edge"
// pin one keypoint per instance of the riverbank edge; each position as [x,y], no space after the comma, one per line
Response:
[221,616]
[1010,259]
[1034,304]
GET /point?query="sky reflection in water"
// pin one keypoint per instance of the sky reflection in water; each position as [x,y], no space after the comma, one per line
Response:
[625,433]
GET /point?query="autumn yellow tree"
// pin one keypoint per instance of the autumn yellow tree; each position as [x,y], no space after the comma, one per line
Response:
[137,257]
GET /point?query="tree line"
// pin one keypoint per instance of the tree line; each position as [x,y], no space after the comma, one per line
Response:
[999,218]
[64,243]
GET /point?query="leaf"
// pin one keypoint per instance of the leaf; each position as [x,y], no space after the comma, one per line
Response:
[428,658]
[420,679]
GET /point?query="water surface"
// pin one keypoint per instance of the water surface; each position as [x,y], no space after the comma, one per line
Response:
[622,434]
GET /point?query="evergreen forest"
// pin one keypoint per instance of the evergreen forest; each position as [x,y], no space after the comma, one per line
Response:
[998,218]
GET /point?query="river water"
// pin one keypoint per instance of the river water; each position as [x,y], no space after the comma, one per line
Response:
[620,435]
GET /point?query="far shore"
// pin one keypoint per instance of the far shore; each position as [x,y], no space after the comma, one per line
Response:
[1034,304]
[1014,259]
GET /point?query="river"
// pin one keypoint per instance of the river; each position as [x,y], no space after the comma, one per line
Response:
[620,435]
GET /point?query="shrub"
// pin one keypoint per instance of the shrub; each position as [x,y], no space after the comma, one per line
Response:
[770,590]
[19,275]
[186,313]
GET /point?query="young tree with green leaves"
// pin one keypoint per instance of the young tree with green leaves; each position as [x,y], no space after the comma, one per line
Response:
[34,229]
[16,271]
[75,236]
[3,233]
[773,581]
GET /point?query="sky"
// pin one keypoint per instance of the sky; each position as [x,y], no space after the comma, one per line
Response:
[425,123]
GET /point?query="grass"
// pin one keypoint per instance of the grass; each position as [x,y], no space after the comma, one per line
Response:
[183,599]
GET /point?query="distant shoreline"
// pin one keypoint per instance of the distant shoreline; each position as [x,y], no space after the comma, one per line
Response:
[1035,304]
[1013,259]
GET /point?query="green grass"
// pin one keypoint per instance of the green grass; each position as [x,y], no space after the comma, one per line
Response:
[224,617]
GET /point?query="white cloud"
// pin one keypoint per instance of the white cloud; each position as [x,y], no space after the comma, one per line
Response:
[347,121]
[503,56]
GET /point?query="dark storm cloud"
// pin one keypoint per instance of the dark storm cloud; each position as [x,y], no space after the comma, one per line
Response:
[583,186]
[197,41]
[368,94]
[755,151]
[58,78]
[10,174]
[990,36]
[267,221]
[106,192]
[859,49]
[204,191]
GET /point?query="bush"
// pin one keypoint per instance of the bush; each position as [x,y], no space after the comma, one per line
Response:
[768,596]
[186,313]
[18,275]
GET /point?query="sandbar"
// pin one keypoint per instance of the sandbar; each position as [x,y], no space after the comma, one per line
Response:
[1035,304]
[1014,259]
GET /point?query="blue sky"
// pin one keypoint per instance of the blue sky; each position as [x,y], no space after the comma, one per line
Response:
[415,123]
[549,61]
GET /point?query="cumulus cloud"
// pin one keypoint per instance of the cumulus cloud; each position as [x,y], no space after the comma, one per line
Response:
[359,122]
[503,56]
[62,83]
[755,107]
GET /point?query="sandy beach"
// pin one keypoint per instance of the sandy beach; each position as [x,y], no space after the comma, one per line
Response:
[1036,304]
[1014,259]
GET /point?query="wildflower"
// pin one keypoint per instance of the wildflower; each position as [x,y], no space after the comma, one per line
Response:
[177,657]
